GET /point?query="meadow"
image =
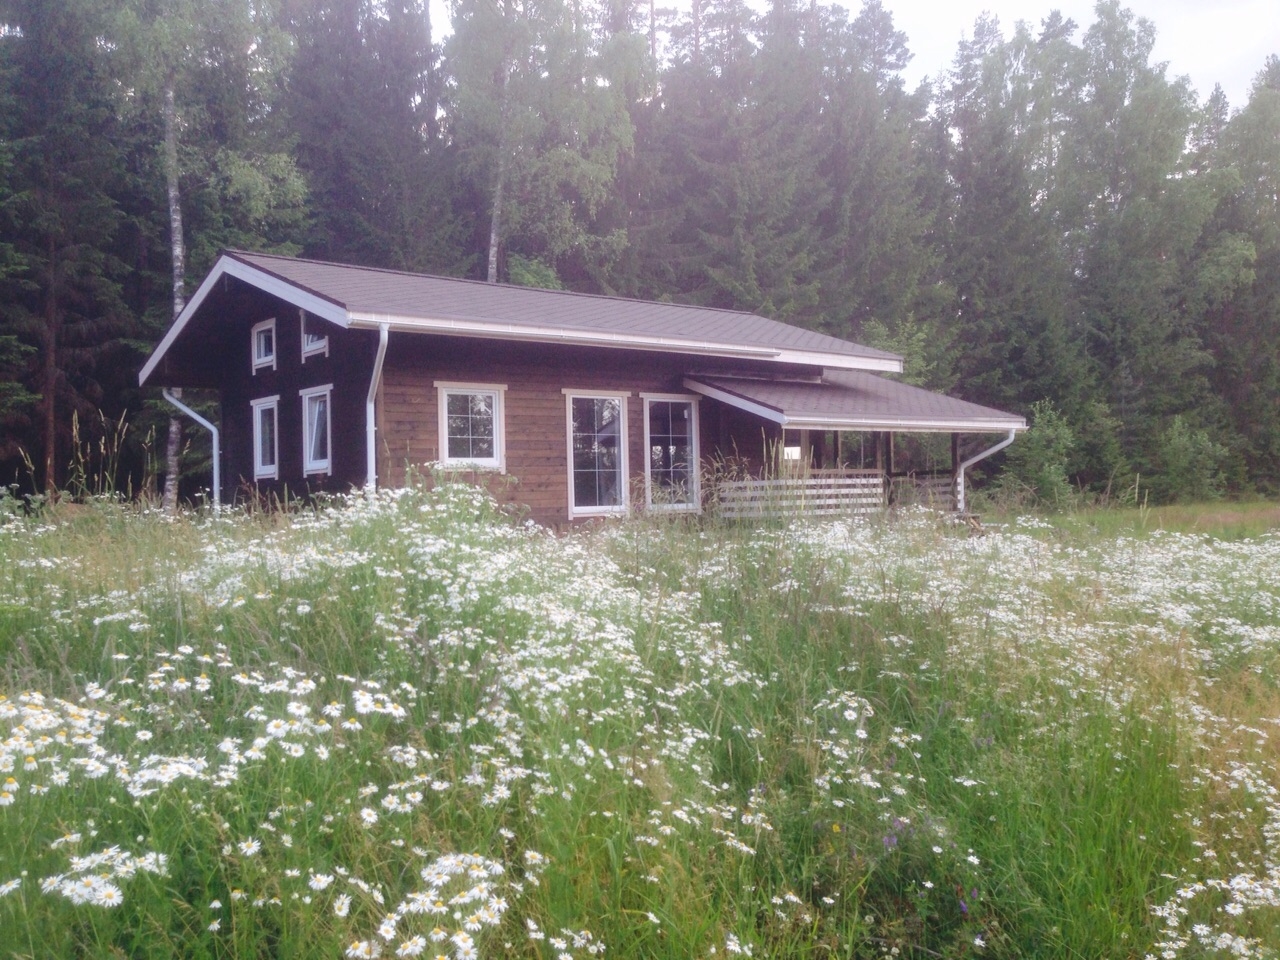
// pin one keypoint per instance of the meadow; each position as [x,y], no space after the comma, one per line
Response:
[410,724]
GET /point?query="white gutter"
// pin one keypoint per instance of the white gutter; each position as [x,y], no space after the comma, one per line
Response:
[217,452]
[974,459]
[371,412]
[502,330]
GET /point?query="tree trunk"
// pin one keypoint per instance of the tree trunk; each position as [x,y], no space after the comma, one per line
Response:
[173,447]
[495,221]
[49,373]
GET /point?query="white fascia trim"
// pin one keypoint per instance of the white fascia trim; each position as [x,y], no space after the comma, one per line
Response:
[841,361]
[229,267]
[750,406]
[511,331]
[904,425]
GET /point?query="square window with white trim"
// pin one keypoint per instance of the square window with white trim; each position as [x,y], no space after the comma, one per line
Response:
[671,445]
[316,429]
[471,425]
[597,427]
[266,445]
[315,342]
[263,338]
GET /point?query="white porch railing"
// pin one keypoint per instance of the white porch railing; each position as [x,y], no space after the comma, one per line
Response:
[927,490]
[816,493]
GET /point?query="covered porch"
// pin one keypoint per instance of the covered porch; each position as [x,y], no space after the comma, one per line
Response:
[834,444]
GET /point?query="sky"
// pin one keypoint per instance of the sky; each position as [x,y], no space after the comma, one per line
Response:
[1210,41]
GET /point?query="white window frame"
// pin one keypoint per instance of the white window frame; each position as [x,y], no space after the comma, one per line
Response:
[310,466]
[496,391]
[313,344]
[695,454]
[263,471]
[262,361]
[624,469]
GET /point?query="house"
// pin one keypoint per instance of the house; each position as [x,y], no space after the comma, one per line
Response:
[332,376]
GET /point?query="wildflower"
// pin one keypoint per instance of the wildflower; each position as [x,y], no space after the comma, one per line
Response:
[387,929]
[215,926]
[412,947]
[250,847]
[319,881]
[369,816]
[362,949]
[108,895]
[342,905]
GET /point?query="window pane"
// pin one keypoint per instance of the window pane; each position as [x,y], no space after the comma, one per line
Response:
[671,454]
[470,426]
[318,428]
[597,455]
[266,345]
[266,436]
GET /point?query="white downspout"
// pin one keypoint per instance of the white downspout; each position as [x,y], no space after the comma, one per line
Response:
[217,450]
[971,461]
[371,413]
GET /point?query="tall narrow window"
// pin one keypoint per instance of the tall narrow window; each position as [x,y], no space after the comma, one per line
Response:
[263,339]
[597,454]
[471,428]
[314,340]
[266,461]
[316,429]
[671,445]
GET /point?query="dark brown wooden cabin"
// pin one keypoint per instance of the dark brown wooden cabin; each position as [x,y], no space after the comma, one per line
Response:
[333,376]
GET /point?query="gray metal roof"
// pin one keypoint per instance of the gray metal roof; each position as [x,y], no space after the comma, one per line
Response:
[370,295]
[854,400]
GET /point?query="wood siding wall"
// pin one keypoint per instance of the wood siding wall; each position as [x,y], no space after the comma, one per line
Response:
[348,367]
[536,377]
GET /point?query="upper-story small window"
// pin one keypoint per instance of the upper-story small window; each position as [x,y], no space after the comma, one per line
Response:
[314,340]
[264,344]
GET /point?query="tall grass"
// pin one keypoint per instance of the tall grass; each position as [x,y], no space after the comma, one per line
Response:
[411,725]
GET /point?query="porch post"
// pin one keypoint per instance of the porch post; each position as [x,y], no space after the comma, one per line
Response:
[957,495]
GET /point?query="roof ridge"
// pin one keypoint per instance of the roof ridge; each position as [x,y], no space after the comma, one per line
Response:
[231,251]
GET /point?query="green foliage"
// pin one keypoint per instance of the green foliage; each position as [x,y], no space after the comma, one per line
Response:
[1036,464]
[531,272]
[1190,465]
[840,738]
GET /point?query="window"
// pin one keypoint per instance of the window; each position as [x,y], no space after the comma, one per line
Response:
[264,345]
[316,429]
[471,430]
[265,438]
[313,341]
[597,454]
[671,445]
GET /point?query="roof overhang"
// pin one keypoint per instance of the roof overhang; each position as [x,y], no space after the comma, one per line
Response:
[539,334]
[326,308]
[798,418]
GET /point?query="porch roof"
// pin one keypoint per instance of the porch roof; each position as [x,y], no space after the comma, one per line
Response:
[853,400]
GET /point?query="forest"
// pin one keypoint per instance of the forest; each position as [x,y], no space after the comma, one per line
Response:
[1055,225]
